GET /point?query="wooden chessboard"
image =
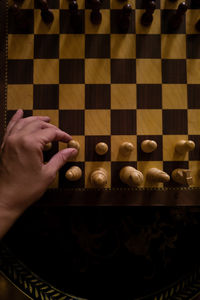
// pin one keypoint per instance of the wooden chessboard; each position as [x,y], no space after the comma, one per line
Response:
[100,85]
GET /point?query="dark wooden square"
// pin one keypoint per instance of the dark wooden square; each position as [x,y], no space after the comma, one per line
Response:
[156,155]
[105,4]
[175,121]
[66,25]
[142,4]
[90,143]
[72,121]
[97,96]
[169,166]
[20,71]
[97,46]
[174,71]
[47,155]
[123,122]
[53,4]
[46,46]
[64,183]
[149,96]
[123,71]
[193,95]
[46,96]
[195,154]
[148,46]
[115,21]
[72,71]
[166,17]
[27,21]
[115,170]
[193,46]
[10,113]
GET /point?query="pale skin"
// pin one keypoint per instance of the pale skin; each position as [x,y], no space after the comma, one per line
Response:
[23,175]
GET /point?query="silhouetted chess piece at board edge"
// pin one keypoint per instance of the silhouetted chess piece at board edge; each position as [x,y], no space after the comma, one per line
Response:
[20,19]
[75,16]
[96,16]
[125,18]
[46,13]
[177,18]
[147,17]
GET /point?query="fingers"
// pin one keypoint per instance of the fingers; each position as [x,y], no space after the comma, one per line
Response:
[50,134]
[59,160]
[24,123]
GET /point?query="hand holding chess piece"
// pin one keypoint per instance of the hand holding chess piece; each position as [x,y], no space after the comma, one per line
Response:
[74,144]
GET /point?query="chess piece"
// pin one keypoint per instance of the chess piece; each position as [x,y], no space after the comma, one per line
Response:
[96,16]
[147,17]
[182,146]
[131,176]
[73,174]
[197,26]
[101,148]
[148,146]
[177,18]
[125,18]
[47,146]
[99,178]
[75,17]
[126,148]
[156,175]
[74,144]
[46,13]
[21,21]
[182,176]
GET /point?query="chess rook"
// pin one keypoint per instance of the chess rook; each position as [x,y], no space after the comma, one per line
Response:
[182,176]
[125,18]
[156,175]
[183,146]
[126,148]
[96,16]
[147,17]
[99,178]
[177,18]
[73,174]
[131,176]
[148,146]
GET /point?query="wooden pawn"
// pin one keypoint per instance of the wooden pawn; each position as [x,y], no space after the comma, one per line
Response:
[73,174]
[148,146]
[184,146]
[157,175]
[131,176]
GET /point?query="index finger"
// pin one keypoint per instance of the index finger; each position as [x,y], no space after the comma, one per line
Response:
[51,134]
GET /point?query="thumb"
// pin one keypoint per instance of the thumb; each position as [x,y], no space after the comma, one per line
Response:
[59,159]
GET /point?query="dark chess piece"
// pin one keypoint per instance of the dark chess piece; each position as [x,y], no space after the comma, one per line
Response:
[75,17]
[96,16]
[197,26]
[46,13]
[177,18]
[125,18]
[20,19]
[147,17]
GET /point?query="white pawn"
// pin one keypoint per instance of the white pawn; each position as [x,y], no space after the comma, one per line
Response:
[148,146]
[101,148]
[157,175]
[126,148]
[131,176]
[99,178]
[47,146]
[184,146]
[73,174]
[74,144]
[182,176]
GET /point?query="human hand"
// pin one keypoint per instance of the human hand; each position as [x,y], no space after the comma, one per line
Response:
[23,175]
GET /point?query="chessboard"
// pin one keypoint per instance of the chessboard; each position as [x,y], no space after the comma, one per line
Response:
[102,85]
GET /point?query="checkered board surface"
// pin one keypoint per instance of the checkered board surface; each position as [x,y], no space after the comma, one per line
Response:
[102,85]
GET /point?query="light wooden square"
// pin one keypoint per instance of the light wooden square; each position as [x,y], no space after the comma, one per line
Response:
[173,46]
[97,122]
[46,71]
[72,46]
[123,96]
[194,166]
[20,46]
[104,27]
[174,96]
[149,121]
[148,71]
[97,71]
[119,4]
[53,114]
[20,96]
[72,96]
[41,28]
[154,28]
[91,166]
[123,46]
[65,4]
[193,71]
[194,121]
[144,166]
[81,154]
[192,16]
[116,141]
[169,144]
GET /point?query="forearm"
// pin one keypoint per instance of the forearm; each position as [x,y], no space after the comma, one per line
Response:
[7,219]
